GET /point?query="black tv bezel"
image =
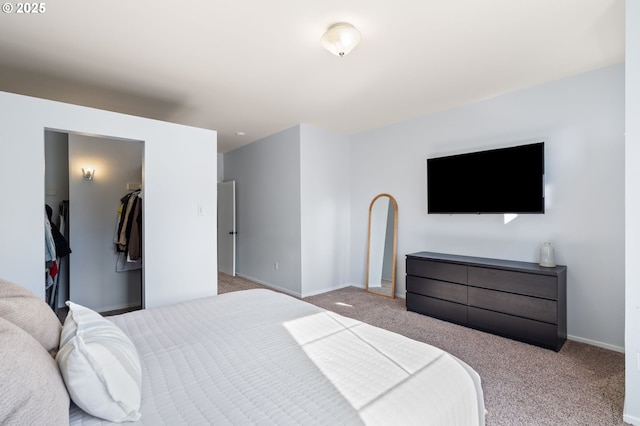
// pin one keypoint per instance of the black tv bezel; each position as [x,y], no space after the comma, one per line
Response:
[488,211]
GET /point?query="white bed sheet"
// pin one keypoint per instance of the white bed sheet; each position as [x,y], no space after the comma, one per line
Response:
[261,357]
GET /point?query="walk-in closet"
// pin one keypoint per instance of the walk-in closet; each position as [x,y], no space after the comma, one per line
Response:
[94,189]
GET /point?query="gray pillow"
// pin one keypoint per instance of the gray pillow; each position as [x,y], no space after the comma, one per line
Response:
[23,308]
[31,386]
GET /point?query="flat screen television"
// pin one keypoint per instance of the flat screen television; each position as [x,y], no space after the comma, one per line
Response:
[504,180]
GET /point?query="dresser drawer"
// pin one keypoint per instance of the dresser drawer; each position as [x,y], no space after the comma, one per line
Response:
[441,309]
[438,289]
[514,282]
[437,270]
[519,300]
[514,304]
[526,330]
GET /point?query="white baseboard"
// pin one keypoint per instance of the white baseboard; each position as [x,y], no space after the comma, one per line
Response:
[326,290]
[402,295]
[631,419]
[293,293]
[272,286]
[596,343]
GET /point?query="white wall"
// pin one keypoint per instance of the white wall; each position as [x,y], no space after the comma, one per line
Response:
[180,173]
[267,175]
[632,197]
[325,209]
[581,121]
[93,208]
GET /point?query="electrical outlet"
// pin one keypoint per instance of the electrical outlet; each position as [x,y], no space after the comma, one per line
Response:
[201,210]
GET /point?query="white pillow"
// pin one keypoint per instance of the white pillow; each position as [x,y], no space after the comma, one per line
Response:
[100,366]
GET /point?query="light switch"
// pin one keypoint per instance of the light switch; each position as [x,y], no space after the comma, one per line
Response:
[201,210]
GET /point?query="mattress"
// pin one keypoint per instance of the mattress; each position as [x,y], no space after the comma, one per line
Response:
[261,357]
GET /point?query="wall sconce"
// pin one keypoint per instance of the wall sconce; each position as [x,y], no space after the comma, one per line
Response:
[341,38]
[87,174]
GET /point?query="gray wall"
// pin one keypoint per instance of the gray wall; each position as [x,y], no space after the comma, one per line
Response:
[93,211]
[581,120]
[632,111]
[325,209]
[220,163]
[267,175]
[293,209]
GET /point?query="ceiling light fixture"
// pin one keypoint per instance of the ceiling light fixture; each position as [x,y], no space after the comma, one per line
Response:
[341,38]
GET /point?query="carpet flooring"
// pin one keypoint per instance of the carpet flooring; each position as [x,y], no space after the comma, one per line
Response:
[523,384]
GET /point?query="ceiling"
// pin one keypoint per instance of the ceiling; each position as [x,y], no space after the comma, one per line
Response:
[258,66]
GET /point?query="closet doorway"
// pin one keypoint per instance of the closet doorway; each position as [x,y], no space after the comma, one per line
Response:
[93,274]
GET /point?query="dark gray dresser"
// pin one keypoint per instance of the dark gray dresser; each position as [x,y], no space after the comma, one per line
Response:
[520,300]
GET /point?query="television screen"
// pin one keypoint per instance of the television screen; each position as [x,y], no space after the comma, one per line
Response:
[505,180]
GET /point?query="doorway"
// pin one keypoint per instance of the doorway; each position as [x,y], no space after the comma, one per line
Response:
[227,228]
[93,279]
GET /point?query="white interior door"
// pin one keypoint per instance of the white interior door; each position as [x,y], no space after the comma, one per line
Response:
[227,227]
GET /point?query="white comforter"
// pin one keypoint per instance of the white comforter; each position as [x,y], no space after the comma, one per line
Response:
[261,357]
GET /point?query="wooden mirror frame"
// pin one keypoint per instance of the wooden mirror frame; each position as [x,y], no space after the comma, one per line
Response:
[395,244]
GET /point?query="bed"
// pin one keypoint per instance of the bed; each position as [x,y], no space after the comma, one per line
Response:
[261,357]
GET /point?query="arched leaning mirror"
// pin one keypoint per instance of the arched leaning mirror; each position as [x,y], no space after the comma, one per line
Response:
[381,247]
